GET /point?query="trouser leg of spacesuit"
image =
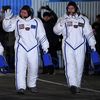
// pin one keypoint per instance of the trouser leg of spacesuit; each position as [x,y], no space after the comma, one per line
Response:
[80,58]
[70,65]
[21,66]
[32,67]
[73,65]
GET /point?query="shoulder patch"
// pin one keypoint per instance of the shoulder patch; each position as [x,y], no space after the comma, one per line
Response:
[33,26]
[81,24]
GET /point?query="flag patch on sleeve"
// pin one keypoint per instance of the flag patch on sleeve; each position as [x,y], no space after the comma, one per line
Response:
[33,26]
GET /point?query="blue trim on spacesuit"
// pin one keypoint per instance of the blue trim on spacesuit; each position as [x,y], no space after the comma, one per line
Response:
[66,73]
[77,46]
[29,49]
[43,39]
[36,30]
[90,36]
[83,20]
[17,57]
[16,66]
[35,38]
[85,36]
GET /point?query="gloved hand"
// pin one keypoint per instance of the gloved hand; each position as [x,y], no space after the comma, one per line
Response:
[8,14]
[45,51]
[93,48]
[48,8]
[42,7]
[62,22]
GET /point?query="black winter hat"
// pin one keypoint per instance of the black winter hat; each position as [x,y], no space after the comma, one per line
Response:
[46,14]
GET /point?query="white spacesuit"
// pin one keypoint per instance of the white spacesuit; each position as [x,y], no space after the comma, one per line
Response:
[29,33]
[75,30]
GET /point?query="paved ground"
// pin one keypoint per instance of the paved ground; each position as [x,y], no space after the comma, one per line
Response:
[51,87]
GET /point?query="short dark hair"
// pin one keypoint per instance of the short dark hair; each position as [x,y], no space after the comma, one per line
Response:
[4,8]
[28,9]
[72,3]
[98,16]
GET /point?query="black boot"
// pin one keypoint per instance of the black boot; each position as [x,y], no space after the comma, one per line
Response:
[51,69]
[20,91]
[33,89]
[73,89]
[45,70]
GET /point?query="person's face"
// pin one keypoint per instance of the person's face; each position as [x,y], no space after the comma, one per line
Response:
[71,10]
[24,14]
[98,19]
[46,18]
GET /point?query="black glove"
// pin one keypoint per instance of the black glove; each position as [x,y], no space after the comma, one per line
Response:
[43,7]
[48,8]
